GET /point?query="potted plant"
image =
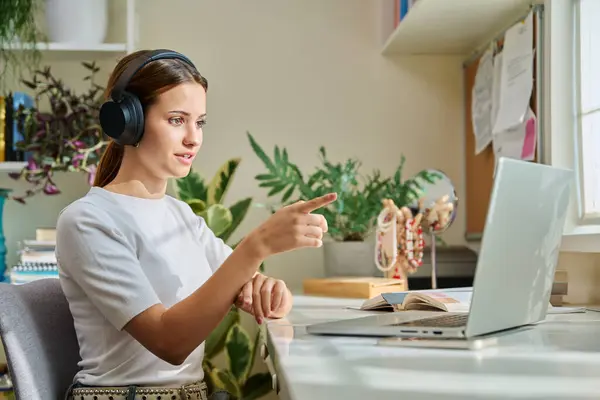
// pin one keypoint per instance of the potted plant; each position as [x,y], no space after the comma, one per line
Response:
[68,137]
[207,200]
[18,25]
[351,218]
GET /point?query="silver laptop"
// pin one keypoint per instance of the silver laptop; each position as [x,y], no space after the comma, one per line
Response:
[515,270]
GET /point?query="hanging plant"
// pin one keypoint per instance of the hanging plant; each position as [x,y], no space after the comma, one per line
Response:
[19,36]
[67,138]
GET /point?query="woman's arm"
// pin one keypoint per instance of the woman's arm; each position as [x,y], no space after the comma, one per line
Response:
[95,255]
[173,333]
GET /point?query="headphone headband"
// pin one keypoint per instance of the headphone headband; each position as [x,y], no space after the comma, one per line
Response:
[138,63]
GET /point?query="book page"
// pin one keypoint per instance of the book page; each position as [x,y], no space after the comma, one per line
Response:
[395,301]
[374,303]
[453,301]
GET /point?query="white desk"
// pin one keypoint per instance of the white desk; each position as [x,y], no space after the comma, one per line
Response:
[557,359]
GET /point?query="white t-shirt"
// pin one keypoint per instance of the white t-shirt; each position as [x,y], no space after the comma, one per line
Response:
[118,255]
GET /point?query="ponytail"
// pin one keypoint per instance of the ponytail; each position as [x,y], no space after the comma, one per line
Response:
[109,164]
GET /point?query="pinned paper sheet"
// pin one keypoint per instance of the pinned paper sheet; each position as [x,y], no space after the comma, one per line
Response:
[496,87]
[518,142]
[529,143]
[481,103]
[516,82]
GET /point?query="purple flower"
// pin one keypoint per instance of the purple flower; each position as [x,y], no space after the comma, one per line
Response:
[31,164]
[76,160]
[51,189]
[91,175]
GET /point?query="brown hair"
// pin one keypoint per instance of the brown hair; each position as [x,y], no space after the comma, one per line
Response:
[147,84]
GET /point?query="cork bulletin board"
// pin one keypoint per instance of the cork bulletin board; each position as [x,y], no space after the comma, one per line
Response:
[479,169]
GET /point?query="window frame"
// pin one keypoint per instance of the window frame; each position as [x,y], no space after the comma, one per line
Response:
[586,217]
[561,132]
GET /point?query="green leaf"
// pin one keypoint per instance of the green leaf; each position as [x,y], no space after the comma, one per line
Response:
[257,386]
[217,189]
[238,351]
[238,213]
[253,352]
[223,379]
[207,366]
[277,156]
[269,183]
[288,194]
[285,156]
[264,177]
[215,343]
[191,187]
[276,189]
[197,205]
[261,154]
[218,218]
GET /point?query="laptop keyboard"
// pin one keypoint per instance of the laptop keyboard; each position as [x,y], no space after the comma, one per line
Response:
[441,321]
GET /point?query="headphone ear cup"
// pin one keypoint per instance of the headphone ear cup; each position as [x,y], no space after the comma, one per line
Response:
[112,119]
[134,123]
[123,121]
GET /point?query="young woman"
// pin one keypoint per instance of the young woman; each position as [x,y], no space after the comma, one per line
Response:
[146,279]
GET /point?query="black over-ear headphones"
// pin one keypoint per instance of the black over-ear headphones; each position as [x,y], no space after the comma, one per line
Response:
[122,117]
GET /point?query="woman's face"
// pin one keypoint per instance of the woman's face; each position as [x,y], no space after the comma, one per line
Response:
[173,131]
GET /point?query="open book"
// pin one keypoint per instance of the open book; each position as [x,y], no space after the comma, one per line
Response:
[451,300]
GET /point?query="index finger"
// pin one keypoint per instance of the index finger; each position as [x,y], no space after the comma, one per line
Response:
[313,204]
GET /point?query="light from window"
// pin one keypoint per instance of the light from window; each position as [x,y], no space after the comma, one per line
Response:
[588,110]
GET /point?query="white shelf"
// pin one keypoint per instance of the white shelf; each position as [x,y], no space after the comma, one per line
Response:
[102,47]
[11,166]
[452,26]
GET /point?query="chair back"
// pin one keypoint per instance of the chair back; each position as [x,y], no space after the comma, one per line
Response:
[36,327]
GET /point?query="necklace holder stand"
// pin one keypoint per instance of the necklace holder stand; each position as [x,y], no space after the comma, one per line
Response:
[400,244]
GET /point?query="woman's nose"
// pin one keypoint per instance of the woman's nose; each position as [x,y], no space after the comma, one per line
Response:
[193,138]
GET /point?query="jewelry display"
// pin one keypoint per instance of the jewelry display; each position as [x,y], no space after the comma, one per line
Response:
[400,244]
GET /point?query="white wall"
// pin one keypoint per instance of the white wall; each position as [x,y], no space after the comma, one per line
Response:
[298,74]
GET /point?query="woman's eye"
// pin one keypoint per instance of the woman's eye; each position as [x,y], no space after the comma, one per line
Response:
[201,123]
[176,121]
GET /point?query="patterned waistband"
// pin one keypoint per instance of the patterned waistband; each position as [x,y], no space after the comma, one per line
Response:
[194,391]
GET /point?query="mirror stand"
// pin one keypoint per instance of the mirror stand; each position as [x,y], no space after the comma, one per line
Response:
[433,262]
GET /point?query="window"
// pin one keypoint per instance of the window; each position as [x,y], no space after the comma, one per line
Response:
[587,107]
[571,112]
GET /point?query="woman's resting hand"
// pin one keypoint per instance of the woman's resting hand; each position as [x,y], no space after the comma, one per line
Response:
[265,297]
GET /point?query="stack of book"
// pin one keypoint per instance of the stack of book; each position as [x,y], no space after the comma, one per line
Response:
[37,258]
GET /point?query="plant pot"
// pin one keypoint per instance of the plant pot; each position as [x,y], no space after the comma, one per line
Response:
[77,21]
[350,259]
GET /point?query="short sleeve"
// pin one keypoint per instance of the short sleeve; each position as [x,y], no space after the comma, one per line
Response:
[94,253]
[216,249]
